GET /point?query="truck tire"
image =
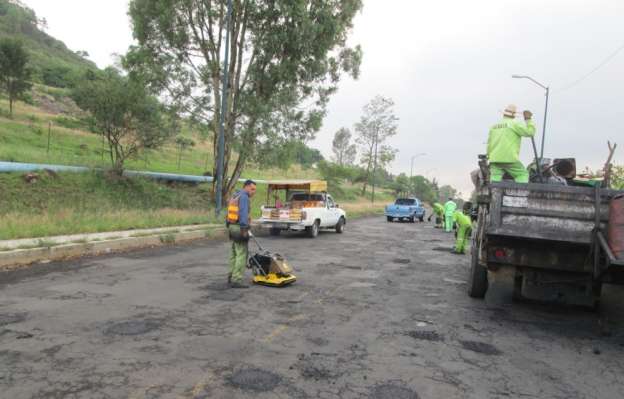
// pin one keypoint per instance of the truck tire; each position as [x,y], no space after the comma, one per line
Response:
[313,230]
[421,218]
[340,226]
[389,219]
[477,278]
[412,219]
[275,232]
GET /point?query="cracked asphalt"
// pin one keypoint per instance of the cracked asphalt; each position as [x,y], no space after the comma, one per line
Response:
[378,312]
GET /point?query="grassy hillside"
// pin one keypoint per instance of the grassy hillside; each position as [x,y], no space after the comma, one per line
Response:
[52,62]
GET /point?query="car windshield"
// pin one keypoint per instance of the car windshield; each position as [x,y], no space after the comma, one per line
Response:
[405,201]
[306,197]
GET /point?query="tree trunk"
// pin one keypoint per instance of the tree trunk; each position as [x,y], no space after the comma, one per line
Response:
[10,106]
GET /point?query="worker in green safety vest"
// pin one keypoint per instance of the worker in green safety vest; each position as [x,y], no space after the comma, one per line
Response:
[438,211]
[464,230]
[449,208]
[503,148]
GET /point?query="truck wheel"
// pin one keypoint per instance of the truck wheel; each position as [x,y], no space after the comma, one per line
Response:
[422,218]
[313,230]
[275,232]
[340,226]
[477,279]
[412,219]
[389,219]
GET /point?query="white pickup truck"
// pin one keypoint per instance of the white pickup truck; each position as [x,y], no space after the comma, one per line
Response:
[305,210]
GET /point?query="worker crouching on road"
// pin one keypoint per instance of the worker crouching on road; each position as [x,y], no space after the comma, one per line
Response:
[449,208]
[464,231]
[504,142]
[238,224]
[438,212]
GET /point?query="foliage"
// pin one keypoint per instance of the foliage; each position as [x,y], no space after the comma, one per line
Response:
[14,71]
[376,125]
[52,62]
[183,143]
[344,151]
[123,112]
[283,153]
[617,177]
[285,60]
[445,192]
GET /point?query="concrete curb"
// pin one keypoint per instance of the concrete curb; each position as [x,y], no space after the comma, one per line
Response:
[22,257]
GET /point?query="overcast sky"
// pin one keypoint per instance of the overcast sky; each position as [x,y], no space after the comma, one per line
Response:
[447,64]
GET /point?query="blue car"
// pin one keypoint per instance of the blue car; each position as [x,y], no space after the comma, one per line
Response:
[405,209]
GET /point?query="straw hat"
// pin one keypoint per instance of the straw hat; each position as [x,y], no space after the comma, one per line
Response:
[510,111]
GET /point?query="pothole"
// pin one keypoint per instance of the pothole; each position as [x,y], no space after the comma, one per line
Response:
[132,327]
[252,379]
[480,347]
[11,318]
[425,335]
[441,249]
[401,261]
[392,391]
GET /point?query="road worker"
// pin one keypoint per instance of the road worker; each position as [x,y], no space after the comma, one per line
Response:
[238,224]
[464,230]
[449,208]
[438,212]
[503,148]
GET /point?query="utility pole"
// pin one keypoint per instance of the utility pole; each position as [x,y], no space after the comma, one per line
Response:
[547,89]
[375,165]
[224,97]
[412,167]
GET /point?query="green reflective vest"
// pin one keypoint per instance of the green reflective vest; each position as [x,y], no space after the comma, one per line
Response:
[449,208]
[504,140]
[462,219]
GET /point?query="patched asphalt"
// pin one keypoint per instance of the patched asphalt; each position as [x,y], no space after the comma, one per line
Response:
[380,311]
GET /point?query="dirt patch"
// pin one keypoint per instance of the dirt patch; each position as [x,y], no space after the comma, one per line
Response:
[11,318]
[401,261]
[253,379]
[392,391]
[132,327]
[480,347]
[425,335]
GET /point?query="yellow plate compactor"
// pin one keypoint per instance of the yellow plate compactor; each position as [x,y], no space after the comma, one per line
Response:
[270,269]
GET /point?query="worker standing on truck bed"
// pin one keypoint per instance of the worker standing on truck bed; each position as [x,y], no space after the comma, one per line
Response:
[503,148]
[238,223]
[438,212]
[449,208]
[464,230]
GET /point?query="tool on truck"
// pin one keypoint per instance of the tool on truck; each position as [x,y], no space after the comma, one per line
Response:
[308,208]
[551,242]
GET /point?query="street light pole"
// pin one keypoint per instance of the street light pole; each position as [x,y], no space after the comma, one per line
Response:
[547,89]
[224,97]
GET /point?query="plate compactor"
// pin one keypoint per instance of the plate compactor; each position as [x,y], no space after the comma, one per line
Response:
[270,269]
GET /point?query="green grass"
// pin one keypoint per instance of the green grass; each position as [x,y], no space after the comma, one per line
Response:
[73,203]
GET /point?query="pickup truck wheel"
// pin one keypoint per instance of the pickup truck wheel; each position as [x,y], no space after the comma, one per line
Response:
[389,218]
[412,219]
[313,230]
[421,218]
[275,232]
[340,226]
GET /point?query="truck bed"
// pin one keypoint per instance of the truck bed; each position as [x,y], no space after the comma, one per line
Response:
[546,212]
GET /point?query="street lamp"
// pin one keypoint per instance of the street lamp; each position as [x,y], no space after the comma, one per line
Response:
[545,108]
[412,163]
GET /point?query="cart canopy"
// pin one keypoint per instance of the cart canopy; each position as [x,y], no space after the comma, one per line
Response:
[303,185]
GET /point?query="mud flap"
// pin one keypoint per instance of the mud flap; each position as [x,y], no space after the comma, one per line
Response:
[501,284]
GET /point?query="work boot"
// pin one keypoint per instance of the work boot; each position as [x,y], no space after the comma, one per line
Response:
[238,284]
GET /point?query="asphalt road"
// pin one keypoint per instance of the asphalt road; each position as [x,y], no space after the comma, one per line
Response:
[378,312]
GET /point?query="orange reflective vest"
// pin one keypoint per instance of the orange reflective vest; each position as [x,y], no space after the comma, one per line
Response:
[232,210]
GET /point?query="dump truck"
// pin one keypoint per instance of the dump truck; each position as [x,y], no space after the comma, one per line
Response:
[542,242]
